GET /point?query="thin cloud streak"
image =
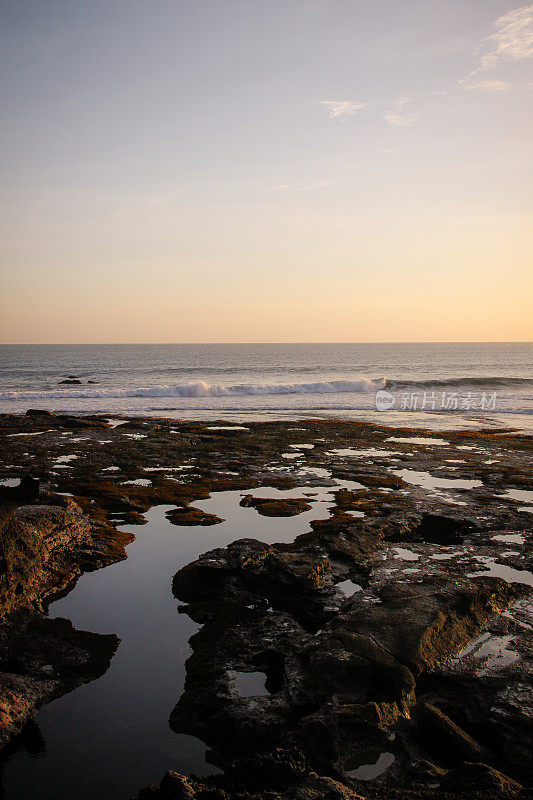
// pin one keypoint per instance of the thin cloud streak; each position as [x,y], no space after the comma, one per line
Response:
[490,86]
[340,109]
[287,187]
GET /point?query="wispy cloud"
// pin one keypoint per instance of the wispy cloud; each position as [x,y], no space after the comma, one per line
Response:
[399,117]
[490,86]
[511,42]
[340,109]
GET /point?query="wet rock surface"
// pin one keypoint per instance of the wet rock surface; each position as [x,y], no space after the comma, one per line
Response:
[393,635]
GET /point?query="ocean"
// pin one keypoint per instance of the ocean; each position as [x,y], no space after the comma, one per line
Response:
[442,385]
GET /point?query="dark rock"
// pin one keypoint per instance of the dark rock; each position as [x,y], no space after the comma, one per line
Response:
[425,624]
[26,492]
[442,530]
[44,547]
[445,737]
[472,777]
[270,507]
[71,381]
[191,516]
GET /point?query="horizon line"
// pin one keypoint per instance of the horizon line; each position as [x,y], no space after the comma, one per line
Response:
[131,344]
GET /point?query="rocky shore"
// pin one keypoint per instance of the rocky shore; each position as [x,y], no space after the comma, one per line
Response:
[385,652]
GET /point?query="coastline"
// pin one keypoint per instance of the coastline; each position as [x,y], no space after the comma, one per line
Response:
[389,501]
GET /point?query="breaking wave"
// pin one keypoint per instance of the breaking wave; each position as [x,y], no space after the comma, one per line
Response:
[202,389]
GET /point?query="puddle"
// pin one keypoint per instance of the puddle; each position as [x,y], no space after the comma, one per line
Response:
[114,423]
[349,588]
[405,555]
[291,455]
[496,570]
[370,451]
[446,556]
[367,772]
[318,472]
[64,459]
[416,440]
[138,482]
[10,482]
[302,446]
[227,428]
[510,538]
[493,650]
[111,469]
[32,433]
[172,469]
[472,646]
[522,495]
[250,684]
[497,653]
[133,436]
[428,481]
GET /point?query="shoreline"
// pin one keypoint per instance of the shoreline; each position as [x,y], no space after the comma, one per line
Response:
[520,421]
[442,500]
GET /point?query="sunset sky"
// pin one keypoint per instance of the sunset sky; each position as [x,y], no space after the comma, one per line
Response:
[290,170]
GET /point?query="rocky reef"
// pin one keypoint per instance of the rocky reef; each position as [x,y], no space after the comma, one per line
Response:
[384,653]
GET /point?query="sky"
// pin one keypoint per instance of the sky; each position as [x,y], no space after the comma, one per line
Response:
[290,170]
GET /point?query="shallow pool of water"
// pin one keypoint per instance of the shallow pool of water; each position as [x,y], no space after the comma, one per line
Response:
[492,569]
[416,440]
[348,587]
[428,481]
[368,772]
